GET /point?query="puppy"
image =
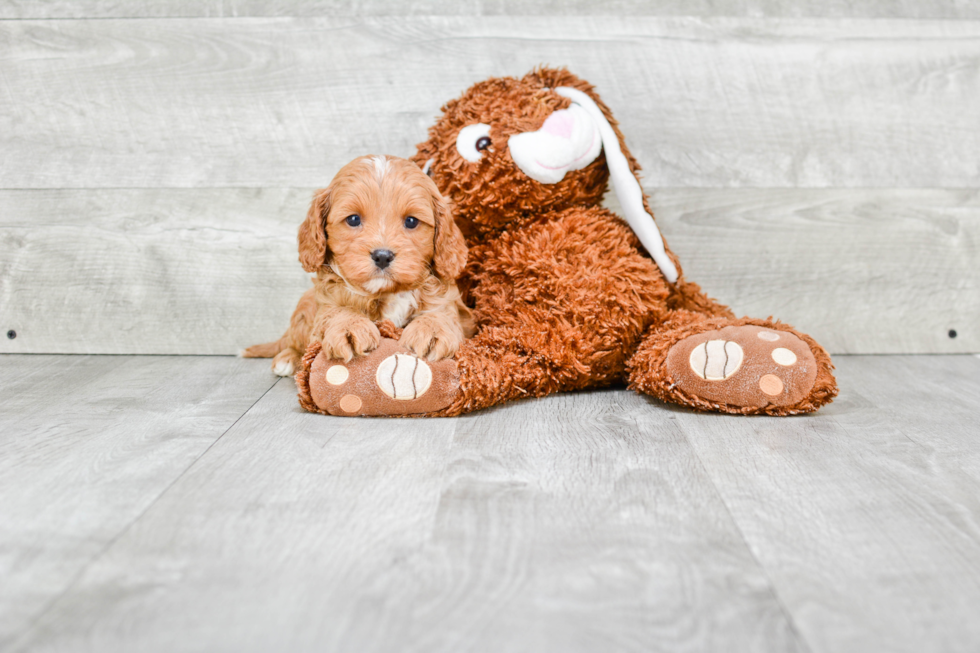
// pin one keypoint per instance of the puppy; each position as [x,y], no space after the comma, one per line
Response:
[383,245]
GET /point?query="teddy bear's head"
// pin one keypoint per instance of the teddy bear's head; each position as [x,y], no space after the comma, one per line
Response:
[509,150]
[469,152]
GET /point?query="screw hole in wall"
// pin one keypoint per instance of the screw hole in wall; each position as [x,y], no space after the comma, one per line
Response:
[952,333]
[11,334]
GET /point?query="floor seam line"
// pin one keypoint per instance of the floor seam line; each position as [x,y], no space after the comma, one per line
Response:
[738,528]
[108,545]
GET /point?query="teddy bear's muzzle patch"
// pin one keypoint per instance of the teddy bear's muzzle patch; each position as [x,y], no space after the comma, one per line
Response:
[568,140]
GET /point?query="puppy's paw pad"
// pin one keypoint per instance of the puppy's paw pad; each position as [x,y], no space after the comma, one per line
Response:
[748,366]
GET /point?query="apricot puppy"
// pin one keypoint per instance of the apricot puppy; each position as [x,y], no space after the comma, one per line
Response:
[383,245]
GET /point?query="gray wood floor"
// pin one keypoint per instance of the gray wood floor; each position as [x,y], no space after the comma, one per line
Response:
[187,504]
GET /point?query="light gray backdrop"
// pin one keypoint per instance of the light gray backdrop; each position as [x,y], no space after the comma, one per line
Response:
[815,161]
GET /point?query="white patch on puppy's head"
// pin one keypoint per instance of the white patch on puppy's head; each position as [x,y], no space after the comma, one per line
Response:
[381,166]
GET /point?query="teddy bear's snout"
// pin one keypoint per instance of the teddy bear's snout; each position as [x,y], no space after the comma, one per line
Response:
[559,123]
[568,140]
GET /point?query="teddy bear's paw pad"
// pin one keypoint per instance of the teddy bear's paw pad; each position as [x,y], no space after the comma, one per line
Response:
[749,366]
[404,377]
[716,360]
[388,381]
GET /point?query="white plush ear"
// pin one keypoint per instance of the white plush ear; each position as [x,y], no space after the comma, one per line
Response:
[624,183]
[568,140]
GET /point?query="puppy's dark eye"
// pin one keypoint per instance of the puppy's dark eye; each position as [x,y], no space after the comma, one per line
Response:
[411,222]
[482,143]
[353,220]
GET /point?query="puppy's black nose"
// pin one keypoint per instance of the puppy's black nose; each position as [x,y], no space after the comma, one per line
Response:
[382,257]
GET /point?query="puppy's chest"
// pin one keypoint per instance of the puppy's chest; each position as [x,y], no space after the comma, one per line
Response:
[400,307]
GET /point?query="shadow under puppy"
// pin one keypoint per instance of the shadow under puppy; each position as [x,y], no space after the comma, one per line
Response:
[383,245]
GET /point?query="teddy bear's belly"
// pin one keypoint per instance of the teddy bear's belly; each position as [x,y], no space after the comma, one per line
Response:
[578,277]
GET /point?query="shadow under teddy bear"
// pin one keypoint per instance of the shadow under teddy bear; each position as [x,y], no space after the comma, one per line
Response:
[567,295]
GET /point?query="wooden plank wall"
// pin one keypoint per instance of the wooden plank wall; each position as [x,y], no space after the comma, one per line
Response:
[817,161]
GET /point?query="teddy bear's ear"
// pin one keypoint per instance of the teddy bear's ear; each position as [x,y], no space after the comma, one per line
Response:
[427,150]
[571,139]
[625,182]
[424,155]
[566,143]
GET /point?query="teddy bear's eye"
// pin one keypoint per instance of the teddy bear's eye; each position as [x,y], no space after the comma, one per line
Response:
[472,140]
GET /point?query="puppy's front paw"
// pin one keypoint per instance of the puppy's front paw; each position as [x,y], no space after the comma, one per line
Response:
[430,340]
[353,338]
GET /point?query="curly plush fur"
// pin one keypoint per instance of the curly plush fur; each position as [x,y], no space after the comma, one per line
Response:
[564,295]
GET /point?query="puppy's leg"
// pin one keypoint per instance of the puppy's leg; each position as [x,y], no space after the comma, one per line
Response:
[286,362]
[346,333]
[433,337]
[441,326]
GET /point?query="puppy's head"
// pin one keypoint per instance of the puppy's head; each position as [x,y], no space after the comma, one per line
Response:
[383,226]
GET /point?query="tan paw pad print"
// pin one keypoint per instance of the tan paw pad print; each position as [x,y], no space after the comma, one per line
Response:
[744,366]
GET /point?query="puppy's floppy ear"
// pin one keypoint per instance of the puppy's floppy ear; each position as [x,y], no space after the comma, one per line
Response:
[449,251]
[312,236]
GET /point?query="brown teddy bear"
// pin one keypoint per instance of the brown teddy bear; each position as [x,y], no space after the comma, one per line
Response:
[567,295]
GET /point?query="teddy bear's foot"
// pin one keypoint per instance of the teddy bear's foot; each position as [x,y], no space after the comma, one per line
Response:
[745,366]
[750,367]
[388,381]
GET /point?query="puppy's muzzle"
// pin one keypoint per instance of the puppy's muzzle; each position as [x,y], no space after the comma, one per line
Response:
[382,258]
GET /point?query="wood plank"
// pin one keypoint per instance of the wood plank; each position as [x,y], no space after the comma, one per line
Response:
[208,271]
[584,522]
[289,519]
[59,9]
[935,404]
[574,523]
[863,271]
[871,540]
[86,445]
[724,102]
